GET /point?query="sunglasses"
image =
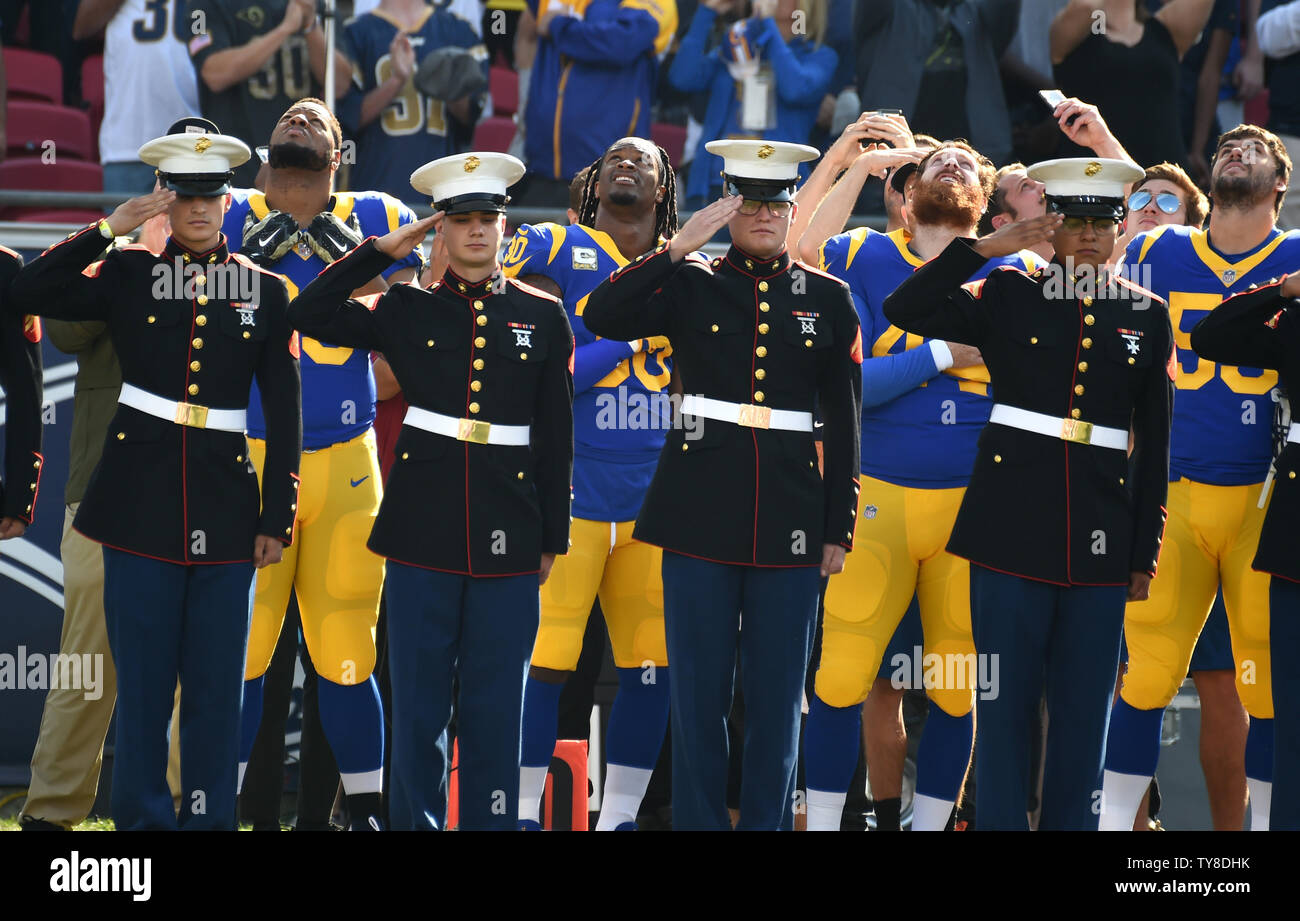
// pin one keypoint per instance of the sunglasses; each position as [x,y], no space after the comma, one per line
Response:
[750,207]
[1099,224]
[1166,201]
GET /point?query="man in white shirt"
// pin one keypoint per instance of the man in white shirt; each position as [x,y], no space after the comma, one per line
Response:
[148,81]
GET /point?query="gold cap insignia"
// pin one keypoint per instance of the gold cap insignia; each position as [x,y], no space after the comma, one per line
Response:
[766,151]
[1092,169]
[202,144]
[471,164]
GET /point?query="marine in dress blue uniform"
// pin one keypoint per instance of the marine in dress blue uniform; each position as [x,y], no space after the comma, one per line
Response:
[1058,528]
[20,375]
[761,342]
[477,502]
[175,500]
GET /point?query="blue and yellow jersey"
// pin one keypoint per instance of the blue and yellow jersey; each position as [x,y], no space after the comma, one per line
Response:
[593,79]
[338,388]
[925,437]
[621,411]
[414,128]
[1223,414]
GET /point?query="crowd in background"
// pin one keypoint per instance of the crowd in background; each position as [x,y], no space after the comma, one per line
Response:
[412,81]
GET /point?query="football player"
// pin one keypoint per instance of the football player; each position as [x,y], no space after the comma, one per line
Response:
[1220,451]
[621,416]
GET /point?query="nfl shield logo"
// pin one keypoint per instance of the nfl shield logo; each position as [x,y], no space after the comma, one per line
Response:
[1229,276]
[869,511]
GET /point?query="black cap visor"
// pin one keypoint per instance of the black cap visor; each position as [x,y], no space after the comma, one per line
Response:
[472,201]
[1086,206]
[198,185]
[898,178]
[760,189]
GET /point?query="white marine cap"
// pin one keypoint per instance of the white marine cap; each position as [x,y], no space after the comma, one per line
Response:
[474,181]
[1084,186]
[762,170]
[194,158]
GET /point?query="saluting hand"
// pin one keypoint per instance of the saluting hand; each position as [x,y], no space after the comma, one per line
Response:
[1018,235]
[702,226]
[135,211]
[399,243]
[267,551]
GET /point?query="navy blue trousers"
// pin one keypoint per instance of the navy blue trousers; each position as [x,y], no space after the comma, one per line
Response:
[480,631]
[1284,645]
[167,623]
[1047,638]
[711,612]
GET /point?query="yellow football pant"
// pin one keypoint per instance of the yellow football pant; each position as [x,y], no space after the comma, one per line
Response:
[1210,539]
[603,560]
[337,579]
[898,551]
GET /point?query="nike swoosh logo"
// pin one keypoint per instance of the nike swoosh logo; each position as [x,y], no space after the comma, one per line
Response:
[360,481]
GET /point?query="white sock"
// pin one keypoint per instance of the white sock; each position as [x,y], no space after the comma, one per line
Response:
[532,786]
[624,789]
[825,810]
[239,787]
[363,782]
[930,813]
[1121,794]
[1261,797]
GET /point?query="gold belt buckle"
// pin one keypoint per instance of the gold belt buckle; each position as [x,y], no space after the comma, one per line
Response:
[755,417]
[192,415]
[1077,431]
[474,430]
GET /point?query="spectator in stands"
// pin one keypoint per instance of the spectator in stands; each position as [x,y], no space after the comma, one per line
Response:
[1165,195]
[937,60]
[254,65]
[1199,80]
[148,82]
[1125,60]
[591,83]
[398,126]
[1279,39]
[783,71]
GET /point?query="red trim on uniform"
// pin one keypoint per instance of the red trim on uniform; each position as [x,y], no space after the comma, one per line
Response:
[816,271]
[7,250]
[1018,575]
[1074,376]
[1276,575]
[708,559]
[753,434]
[457,572]
[37,491]
[855,351]
[529,289]
[1124,282]
[469,295]
[638,262]
[1171,366]
[79,233]
[295,344]
[469,557]
[160,559]
[757,261]
[32,328]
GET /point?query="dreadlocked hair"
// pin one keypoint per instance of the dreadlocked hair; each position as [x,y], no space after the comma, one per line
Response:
[665,210]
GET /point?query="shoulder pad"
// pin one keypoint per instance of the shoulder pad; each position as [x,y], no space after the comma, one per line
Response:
[1138,289]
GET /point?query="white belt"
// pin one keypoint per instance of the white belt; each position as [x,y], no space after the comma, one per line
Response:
[1084,433]
[747,414]
[199,417]
[1293,433]
[473,430]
